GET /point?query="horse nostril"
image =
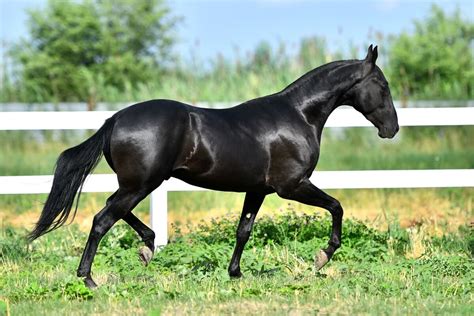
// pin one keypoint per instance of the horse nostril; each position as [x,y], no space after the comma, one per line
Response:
[398,128]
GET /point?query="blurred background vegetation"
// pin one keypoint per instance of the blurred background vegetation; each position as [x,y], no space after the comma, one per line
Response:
[119,52]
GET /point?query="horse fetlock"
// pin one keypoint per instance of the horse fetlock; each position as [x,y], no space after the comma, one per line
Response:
[321,259]
[145,255]
[83,273]
[235,274]
[149,236]
[335,244]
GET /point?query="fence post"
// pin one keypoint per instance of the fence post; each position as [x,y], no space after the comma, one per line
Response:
[159,216]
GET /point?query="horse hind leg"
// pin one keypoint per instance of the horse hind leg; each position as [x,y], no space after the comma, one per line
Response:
[136,170]
[120,204]
[147,235]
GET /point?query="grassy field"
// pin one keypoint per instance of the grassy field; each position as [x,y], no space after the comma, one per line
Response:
[391,272]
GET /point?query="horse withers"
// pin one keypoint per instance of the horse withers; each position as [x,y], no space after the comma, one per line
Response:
[263,146]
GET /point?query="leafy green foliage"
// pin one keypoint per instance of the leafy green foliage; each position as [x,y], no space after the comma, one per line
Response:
[436,60]
[77,47]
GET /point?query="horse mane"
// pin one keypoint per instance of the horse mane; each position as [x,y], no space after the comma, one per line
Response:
[316,75]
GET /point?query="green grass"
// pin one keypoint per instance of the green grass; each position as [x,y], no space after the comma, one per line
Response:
[374,272]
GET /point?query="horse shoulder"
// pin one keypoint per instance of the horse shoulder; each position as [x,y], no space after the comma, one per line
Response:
[293,156]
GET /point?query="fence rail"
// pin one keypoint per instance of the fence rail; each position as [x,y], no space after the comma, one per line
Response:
[349,179]
[342,117]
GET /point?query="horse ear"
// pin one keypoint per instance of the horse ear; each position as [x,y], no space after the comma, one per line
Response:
[372,55]
[369,61]
[375,54]
[369,53]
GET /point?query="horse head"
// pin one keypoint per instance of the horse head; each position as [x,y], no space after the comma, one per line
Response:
[371,97]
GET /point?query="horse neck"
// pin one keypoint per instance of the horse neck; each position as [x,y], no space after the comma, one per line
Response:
[318,93]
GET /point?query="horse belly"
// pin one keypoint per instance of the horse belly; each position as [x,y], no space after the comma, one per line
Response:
[222,183]
[229,169]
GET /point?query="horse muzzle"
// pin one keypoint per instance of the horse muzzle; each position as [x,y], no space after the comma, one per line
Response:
[386,132]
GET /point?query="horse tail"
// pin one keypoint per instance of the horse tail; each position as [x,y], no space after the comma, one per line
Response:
[72,168]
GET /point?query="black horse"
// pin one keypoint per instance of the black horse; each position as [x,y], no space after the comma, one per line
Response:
[266,145]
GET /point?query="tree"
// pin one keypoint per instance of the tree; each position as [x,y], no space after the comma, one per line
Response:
[77,47]
[436,60]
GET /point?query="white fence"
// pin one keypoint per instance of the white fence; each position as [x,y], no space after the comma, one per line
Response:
[343,117]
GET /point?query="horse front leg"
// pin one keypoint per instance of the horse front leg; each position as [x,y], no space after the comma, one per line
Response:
[309,194]
[252,204]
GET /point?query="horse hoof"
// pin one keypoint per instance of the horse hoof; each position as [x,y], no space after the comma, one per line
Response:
[321,259]
[90,283]
[145,255]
